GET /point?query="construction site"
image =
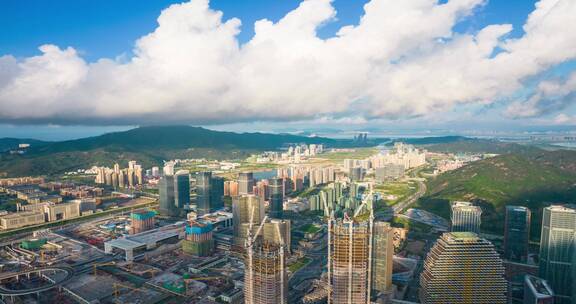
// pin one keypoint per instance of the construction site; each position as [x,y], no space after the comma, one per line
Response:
[171,262]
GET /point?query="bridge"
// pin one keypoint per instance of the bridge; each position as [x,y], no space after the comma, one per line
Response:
[40,272]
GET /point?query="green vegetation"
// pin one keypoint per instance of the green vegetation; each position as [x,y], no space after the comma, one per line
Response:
[400,189]
[9,202]
[534,180]
[299,264]
[413,226]
[149,145]
[310,228]
[338,157]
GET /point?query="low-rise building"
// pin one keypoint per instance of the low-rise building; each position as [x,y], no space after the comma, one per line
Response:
[21,219]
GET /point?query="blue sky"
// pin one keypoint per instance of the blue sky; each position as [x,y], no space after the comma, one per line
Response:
[109,29]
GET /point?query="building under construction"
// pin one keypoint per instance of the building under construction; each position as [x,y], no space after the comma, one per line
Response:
[198,240]
[265,278]
[142,221]
[360,253]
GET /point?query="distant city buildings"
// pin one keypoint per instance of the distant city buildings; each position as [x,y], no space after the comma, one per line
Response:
[516,233]
[465,217]
[245,183]
[462,268]
[557,251]
[120,178]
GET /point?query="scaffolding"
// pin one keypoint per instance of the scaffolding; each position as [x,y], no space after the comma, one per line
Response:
[265,279]
[350,242]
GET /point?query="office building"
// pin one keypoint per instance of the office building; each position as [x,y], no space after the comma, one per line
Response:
[166,205]
[246,208]
[465,217]
[537,291]
[245,183]
[462,268]
[557,253]
[516,233]
[216,193]
[181,189]
[142,221]
[203,192]
[276,186]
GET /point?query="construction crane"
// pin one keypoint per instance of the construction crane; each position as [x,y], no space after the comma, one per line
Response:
[117,287]
[95,266]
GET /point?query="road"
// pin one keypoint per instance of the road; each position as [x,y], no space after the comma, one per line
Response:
[399,207]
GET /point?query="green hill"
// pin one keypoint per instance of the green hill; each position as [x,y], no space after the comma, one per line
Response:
[534,180]
[149,145]
[12,143]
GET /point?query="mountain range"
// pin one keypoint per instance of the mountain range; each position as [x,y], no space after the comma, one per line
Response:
[149,145]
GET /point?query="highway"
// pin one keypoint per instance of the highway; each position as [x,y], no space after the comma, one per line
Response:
[399,207]
[11,292]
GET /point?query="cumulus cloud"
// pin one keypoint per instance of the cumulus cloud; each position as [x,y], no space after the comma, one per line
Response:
[550,96]
[403,59]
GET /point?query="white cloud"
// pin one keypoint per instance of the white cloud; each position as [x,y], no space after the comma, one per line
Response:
[550,96]
[403,59]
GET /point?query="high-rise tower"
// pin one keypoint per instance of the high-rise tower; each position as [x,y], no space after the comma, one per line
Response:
[181,189]
[203,192]
[557,253]
[276,197]
[465,217]
[245,183]
[462,268]
[166,192]
[516,233]
[246,210]
[265,278]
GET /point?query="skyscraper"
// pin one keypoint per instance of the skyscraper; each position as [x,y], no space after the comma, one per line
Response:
[557,253]
[181,189]
[265,278]
[244,209]
[203,192]
[273,229]
[245,183]
[216,193]
[166,192]
[462,268]
[516,233]
[382,255]
[465,217]
[349,260]
[276,197]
